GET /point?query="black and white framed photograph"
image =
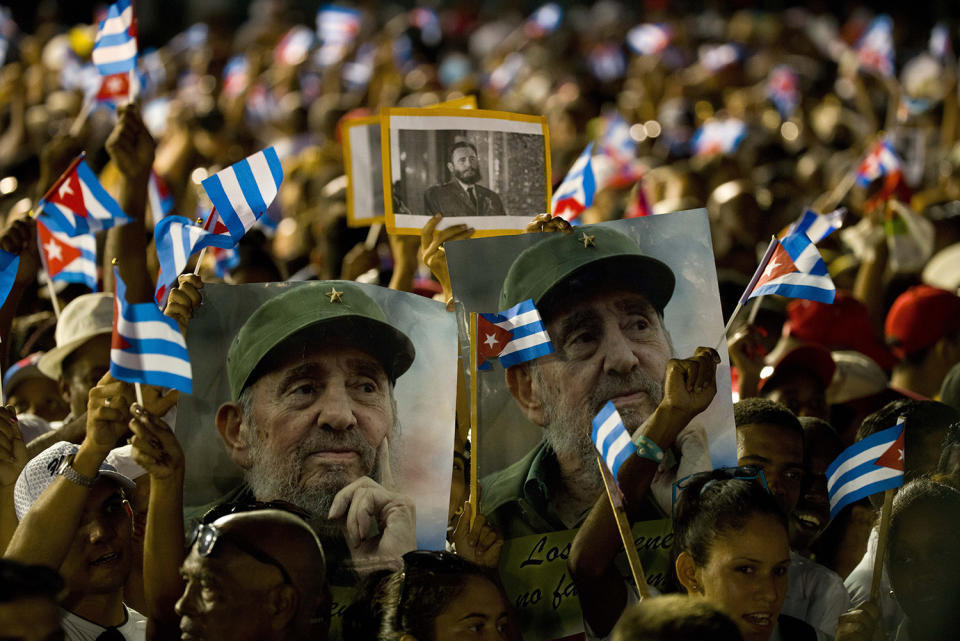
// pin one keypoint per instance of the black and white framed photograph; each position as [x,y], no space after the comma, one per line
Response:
[486,169]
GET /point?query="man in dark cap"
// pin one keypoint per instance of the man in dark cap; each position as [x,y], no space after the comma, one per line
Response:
[311,375]
[602,301]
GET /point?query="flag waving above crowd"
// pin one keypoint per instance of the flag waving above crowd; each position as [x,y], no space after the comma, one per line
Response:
[242,192]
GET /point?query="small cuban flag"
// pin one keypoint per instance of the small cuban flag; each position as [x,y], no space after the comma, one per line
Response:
[718,136]
[516,335]
[147,346]
[940,46]
[875,47]
[9,264]
[78,204]
[177,239]
[236,76]
[336,28]
[543,21]
[71,260]
[114,88]
[648,39]
[783,90]
[115,50]
[871,465]
[881,161]
[294,46]
[792,267]
[612,438]
[506,73]
[714,57]
[817,226]
[576,191]
[243,191]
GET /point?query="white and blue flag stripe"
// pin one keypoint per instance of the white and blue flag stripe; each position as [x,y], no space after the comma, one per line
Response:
[177,239]
[530,339]
[243,191]
[817,226]
[855,474]
[115,50]
[576,191]
[147,346]
[82,269]
[612,438]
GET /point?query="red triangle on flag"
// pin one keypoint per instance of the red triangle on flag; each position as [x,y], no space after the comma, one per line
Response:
[893,457]
[69,194]
[114,87]
[56,252]
[780,264]
[491,339]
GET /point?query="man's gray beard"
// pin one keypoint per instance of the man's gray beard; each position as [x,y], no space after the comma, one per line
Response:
[272,477]
[568,430]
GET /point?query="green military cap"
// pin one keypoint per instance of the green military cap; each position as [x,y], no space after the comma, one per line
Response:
[335,307]
[558,258]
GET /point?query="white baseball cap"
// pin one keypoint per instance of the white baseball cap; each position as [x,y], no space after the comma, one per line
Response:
[85,317]
[42,469]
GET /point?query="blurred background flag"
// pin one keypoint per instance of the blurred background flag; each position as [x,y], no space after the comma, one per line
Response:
[647,39]
[115,50]
[576,191]
[875,47]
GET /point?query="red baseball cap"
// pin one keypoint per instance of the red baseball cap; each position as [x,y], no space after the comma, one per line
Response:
[845,324]
[920,317]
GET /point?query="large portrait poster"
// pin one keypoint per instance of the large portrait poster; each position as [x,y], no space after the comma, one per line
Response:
[520,478]
[487,169]
[362,159]
[421,448]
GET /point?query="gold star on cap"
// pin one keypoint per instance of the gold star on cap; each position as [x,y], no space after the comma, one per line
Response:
[334,295]
[587,240]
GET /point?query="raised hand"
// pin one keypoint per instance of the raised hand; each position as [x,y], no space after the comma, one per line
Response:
[481,543]
[130,144]
[691,383]
[183,300]
[155,446]
[433,254]
[108,413]
[546,222]
[20,238]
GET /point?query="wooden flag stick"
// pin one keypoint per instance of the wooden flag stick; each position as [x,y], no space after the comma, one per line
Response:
[881,545]
[474,423]
[373,234]
[77,125]
[203,252]
[59,181]
[139,392]
[722,343]
[623,526]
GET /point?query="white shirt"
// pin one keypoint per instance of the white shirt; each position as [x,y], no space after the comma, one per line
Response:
[858,587]
[815,594]
[76,628]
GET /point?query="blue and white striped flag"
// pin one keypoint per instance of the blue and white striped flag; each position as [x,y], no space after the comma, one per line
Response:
[78,204]
[115,50]
[869,466]
[576,191]
[530,339]
[177,239]
[792,267]
[147,346]
[612,438]
[71,260]
[243,191]
[817,226]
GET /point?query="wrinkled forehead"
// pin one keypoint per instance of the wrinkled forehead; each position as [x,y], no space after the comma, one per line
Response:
[344,353]
[589,307]
[462,152]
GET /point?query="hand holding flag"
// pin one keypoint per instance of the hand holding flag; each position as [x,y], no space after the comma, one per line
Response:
[78,204]
[177,239]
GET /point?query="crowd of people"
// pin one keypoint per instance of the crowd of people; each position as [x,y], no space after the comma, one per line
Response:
[99,540]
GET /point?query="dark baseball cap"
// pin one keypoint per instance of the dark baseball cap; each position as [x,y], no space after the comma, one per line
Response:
[340,309]
[614,256]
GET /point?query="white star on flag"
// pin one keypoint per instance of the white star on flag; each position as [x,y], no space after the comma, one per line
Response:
[771,266]
[64,188]
[491,340]
[54,252]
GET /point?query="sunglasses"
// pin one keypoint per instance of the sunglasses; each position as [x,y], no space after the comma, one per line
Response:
[226,509]
[738,472]
[206,536]
[426,562]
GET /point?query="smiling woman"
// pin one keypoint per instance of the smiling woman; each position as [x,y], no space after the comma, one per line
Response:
[731,547]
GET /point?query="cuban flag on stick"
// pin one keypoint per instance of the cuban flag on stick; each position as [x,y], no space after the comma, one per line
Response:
[527,340]
[243,191]
[881,161]
[611,438]
[940,47]
[792,267]
[115,50]
[869,466]
[71,260]
[718,137]
[147,346]
[783,90]
[178,239]
[576,191]
[543,21]
[78,204]
[875,47]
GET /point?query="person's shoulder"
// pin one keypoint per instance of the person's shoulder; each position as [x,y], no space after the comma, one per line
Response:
[505,485]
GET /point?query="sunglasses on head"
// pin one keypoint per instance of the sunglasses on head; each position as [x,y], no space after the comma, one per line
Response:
[426,562]
[226,509]
[738,472]
[206,536]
